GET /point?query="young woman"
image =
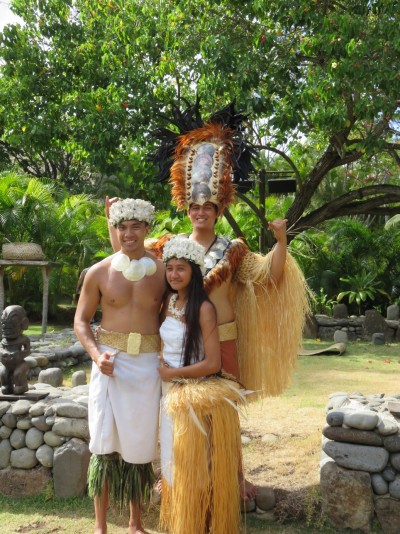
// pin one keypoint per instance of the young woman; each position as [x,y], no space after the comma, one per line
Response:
[199,434]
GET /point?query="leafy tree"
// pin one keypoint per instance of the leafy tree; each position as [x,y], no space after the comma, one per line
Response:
[83,81]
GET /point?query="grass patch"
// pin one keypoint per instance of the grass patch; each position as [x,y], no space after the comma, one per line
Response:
[291,463]
[69,371]
[36,329]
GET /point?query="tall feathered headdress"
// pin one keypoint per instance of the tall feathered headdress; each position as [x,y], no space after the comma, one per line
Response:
[204,162]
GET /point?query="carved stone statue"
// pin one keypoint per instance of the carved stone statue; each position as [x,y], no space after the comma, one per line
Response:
[13,351]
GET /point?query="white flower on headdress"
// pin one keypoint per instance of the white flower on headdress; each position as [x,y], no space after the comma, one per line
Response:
[129,209]
[180,247]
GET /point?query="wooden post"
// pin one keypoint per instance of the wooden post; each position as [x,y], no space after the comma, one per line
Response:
[1,293]
[262,195]
[45,267]
[45,276]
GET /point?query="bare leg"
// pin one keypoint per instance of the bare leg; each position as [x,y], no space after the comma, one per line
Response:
[100,510]
[247,490]
[230,364]
[135,524]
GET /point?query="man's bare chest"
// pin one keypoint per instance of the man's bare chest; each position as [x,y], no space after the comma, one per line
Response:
[119,292]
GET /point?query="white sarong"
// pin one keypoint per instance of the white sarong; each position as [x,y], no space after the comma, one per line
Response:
[166,437]
[172,333]
[124,409]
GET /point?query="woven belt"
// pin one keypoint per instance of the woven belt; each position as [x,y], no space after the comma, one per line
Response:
[227,331]
[133,343]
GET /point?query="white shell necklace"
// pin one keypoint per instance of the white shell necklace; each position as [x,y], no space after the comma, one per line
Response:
[133,270]
[175,312]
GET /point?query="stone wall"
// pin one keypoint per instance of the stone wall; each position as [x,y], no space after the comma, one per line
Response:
[57,350]
[43,440]
[353,327]
[360,465]
[47,439]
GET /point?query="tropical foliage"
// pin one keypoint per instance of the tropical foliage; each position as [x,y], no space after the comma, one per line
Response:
[363,286]
[73,232]
[392,221]
[70,228]
[334,260]
[322,304]
[84,82]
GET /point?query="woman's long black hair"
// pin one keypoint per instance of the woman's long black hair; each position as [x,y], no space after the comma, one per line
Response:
[196,295]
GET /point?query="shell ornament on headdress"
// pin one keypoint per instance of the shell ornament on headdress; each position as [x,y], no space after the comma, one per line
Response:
[205,162]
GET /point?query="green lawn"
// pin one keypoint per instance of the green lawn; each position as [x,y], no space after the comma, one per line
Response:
[36,329]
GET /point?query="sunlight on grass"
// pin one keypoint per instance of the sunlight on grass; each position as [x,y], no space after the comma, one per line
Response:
[36,329]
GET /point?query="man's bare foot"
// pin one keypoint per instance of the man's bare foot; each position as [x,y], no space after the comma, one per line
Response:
[247,490]
[100,530]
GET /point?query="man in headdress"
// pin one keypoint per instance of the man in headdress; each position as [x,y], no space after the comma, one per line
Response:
[261,302]
[125,388]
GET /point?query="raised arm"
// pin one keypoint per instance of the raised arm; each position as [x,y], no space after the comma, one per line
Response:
[278,226]
[111,230]
[212,355]
[264,270]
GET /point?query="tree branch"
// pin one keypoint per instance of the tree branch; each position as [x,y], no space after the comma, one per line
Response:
[395,156]
[282,154]
[351,204]
[234,224]
[391,146]
[329,160]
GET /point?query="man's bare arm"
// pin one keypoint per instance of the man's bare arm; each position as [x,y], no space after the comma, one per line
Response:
[278,226]
[87,305]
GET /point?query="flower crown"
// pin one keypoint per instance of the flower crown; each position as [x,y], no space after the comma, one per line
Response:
[182,247]
[129,209]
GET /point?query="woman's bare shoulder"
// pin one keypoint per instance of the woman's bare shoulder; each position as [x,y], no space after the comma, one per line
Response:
[207,309]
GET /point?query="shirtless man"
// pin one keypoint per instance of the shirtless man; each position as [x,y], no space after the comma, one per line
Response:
[203,218]
[125,387]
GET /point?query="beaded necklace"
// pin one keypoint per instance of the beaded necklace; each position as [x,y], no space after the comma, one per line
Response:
[175,312]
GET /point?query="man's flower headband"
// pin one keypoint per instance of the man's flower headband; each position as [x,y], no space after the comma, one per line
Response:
[130,209]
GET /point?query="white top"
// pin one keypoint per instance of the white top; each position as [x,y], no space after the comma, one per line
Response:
[172,333]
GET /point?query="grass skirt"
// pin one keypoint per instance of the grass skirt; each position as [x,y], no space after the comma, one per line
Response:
[270,321]
[125,482]
[206,457]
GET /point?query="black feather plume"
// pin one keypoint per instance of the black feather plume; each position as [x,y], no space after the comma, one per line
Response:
[190,119]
